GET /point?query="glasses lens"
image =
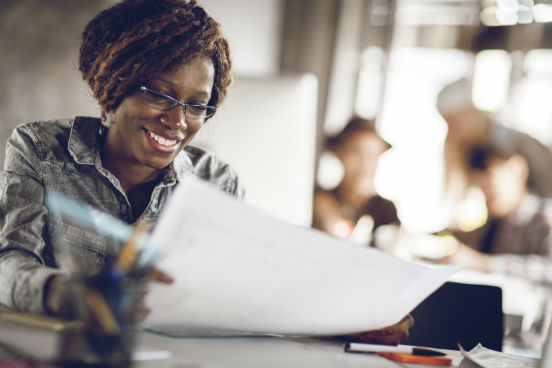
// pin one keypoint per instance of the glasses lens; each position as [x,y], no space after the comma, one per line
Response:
[160,101]
[157,100]
[199,112]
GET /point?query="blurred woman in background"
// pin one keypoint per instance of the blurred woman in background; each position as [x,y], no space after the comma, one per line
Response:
[354,210]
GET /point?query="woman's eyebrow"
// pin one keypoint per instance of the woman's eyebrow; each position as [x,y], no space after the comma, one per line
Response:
[173,85]
[163,80]
[202,94]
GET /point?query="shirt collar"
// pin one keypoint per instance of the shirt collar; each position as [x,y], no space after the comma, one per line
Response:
[85,138]
[181,164]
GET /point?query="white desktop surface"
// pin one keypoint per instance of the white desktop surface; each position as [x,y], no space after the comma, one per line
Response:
[265,352]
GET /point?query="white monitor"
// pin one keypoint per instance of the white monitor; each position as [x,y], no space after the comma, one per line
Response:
[266,129]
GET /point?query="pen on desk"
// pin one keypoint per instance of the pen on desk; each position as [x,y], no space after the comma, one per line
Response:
[354,347]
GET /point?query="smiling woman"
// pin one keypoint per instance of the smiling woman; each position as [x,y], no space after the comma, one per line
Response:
[158,70]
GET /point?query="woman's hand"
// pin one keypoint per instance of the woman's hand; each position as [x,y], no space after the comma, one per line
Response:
[394,334]
[58,295]
[54,295]
[155,275]
[469,258]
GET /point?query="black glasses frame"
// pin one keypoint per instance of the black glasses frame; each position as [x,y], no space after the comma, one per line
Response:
[209,110]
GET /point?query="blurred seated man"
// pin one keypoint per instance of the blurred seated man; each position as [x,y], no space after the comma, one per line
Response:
[516,239]
[468,126]
[354,210]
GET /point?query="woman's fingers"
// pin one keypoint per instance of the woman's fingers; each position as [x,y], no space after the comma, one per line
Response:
[389,335]
[157,275]
[399,332]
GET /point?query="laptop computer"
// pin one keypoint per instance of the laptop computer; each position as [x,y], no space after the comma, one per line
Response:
[455,313]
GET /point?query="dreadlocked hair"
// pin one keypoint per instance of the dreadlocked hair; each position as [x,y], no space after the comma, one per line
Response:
[134,40]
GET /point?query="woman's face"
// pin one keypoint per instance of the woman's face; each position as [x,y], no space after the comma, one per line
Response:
[502,183]
[359,155]
[145,136]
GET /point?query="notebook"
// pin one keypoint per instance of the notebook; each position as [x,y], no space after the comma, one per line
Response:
[37,336]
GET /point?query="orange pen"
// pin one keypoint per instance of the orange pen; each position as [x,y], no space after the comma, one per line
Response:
[418,359]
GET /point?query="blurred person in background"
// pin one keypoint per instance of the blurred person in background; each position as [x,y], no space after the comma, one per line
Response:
[469,126]
[516,239]
[354,210]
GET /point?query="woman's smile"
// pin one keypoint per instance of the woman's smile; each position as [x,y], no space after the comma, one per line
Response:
[163,143]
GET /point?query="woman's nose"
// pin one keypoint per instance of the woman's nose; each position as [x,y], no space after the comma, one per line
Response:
[175,118]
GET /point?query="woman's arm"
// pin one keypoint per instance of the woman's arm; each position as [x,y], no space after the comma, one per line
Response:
[532,267]
[23,274]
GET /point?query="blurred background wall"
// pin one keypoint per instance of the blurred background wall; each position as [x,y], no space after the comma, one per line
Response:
[385,59]
[39,62]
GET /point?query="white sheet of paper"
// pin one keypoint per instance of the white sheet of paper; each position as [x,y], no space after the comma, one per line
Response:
[238,269]
[487,358]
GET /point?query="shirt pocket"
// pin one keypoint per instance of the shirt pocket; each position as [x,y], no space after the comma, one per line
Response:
[89,250]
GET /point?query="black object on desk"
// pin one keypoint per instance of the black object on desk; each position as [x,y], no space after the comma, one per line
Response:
[459,313]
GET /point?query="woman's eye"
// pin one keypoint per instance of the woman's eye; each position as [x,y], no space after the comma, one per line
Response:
[196,108]
[160,98]
[156,97]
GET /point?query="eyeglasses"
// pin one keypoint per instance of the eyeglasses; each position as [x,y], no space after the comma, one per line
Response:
[161,101]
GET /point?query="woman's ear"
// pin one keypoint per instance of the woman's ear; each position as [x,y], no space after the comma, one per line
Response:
[109,117]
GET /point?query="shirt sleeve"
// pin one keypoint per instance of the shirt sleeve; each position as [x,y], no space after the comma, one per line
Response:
[239,189]
[532,267]
[536,267]
[23,273]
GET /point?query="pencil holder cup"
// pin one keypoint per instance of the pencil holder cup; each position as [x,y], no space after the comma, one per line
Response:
[111,303]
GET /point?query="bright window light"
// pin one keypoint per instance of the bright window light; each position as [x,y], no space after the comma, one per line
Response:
[411,173]
[524,14]
[506,16]
[530,109]
[488,16]
[542,13]
[330,171]
[491,79]
[369,83]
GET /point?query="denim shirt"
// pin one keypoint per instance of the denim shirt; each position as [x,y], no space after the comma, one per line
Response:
[64,156]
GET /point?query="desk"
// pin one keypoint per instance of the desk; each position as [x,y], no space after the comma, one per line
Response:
[262,352]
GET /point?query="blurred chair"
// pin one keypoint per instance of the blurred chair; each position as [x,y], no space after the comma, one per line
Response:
[266,129]
[458,313]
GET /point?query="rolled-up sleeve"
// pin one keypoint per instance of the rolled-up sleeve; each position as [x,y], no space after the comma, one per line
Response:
[23,272]
[531,267]
[536,266]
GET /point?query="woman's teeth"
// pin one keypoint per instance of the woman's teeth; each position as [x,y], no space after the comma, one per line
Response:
[161,140]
